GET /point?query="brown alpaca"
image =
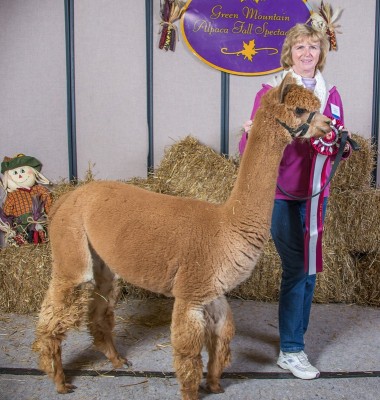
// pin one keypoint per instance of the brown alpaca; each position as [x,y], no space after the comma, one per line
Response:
[191,250]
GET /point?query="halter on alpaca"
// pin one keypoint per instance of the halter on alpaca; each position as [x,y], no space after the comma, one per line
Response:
[302,129]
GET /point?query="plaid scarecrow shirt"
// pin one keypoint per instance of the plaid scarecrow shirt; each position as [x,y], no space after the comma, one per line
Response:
[19,202]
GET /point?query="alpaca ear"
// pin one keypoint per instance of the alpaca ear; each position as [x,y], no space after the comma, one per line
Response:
[286,83]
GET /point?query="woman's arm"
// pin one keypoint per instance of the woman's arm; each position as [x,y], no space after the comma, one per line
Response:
[256,105]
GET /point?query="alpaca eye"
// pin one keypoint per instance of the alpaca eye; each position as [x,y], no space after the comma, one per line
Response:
[300,111]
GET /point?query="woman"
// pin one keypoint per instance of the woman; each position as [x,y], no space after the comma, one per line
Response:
[304,54]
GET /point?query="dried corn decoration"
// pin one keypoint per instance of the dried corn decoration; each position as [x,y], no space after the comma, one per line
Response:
[325,20]
[171,11]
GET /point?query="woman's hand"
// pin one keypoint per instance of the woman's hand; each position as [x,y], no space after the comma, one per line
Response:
[347,147]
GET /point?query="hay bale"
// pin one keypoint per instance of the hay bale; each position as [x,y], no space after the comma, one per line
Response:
[65,186]
[152,183]
[368,288]
[338,281]
[356,172]
[24,277]
[190,169]
[353,220]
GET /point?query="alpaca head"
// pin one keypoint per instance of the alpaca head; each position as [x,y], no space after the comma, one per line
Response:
[297,110]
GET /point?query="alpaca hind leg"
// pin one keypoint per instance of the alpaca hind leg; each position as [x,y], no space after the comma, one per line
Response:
[101,317]
[187,336]
[63,308]
[220,330]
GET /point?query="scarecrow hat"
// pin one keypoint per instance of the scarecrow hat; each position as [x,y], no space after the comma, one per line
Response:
[20,160]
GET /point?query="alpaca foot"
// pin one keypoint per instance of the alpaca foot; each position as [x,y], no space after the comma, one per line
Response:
[212,388]
[120,362]
[64,388]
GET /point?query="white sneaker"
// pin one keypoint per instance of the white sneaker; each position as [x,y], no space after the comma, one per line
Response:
[298,365]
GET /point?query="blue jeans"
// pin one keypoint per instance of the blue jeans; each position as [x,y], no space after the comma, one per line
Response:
[297,287]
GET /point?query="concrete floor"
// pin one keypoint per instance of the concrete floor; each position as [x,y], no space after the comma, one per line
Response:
[343,341]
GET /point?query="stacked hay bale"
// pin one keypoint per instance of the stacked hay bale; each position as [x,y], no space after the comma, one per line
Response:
[190,169]
[24,277]
[352,232]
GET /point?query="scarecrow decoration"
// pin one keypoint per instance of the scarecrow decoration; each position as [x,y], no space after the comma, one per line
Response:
[23,215]
[171,11]
[325,21]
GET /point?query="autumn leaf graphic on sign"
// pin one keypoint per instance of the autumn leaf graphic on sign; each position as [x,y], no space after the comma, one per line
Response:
[249,50]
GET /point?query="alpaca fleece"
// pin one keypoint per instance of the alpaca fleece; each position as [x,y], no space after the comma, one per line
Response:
[192,250]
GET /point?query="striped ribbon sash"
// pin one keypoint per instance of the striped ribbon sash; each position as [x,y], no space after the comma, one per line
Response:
[314,216]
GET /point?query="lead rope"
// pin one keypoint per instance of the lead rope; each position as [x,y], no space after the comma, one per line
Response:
[338,158]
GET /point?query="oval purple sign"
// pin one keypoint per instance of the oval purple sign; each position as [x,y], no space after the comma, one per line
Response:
[242,37]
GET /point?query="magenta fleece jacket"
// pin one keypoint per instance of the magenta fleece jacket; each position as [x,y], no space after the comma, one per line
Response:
[295,167]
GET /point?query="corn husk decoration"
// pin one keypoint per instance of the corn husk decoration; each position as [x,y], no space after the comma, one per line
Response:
[325,21]
[38,220]
[171,11]
[6,229]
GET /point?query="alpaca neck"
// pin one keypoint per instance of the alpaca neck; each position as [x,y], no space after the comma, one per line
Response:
[255,186]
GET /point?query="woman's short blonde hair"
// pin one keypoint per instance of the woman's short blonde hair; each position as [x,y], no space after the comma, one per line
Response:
[296,34]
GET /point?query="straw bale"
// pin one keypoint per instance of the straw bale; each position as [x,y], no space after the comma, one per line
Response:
[356,172]
[339,279]
[368,270]
[24,277]
[337,283]
[63,186]
[353,220]
[152,183]
[191,169]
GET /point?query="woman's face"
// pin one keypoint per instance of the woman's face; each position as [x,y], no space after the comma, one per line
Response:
[305,56]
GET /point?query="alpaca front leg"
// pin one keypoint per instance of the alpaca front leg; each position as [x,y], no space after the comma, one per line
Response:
[220,330]
[187,336]
[63,308]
